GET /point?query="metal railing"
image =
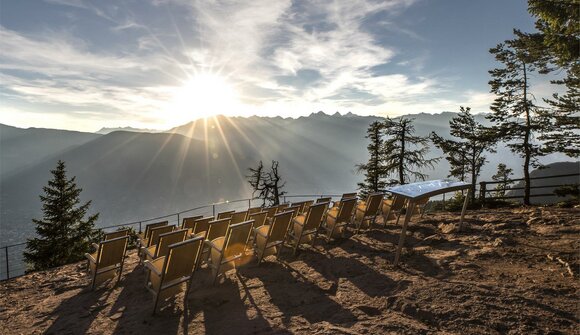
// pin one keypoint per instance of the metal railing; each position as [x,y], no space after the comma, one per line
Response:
[13,261]
[484,192]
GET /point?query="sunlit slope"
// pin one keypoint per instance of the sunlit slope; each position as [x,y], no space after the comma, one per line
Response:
[130,176]
[21,148]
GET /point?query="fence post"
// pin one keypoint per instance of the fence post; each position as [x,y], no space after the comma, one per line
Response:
[213,209]
[7,266]
[249,203]
[284,198]
[140,231]
[178,220]
[482,191]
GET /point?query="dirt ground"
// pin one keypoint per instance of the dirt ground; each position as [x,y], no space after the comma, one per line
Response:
[502,275]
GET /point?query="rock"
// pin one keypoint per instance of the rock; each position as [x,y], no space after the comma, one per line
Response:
[447,228]
[498,242]
[116,316]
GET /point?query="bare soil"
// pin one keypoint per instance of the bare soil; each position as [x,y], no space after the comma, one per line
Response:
[493,278]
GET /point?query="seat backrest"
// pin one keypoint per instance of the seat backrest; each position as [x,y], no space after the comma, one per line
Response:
[345,209]
[202,224]
[259,218]
[325,199]
[181,259]
[348,195]
[271,211]
[237,239]
[307,205]
[280,225]
[165,240]
[373,203]
[225,215]
[189,222]
[238,217]
[314,216]
[115,234]
[112,251]
[254,210]
[395,204]
[217,228]
[155,232]
[281,207]
[294,209]
[150,226]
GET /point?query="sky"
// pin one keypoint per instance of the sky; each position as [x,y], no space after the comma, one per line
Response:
[83,65]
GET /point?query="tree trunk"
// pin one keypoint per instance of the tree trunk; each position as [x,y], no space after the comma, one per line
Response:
[402,156]
[527,151]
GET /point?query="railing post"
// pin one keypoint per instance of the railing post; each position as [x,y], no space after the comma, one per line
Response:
[284,198]
[140,231]
[7,266]
[482,191]
[213,209]
[249,203]
[178,220]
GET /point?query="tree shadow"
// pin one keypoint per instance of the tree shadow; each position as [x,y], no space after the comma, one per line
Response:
[76,314]
[296,296]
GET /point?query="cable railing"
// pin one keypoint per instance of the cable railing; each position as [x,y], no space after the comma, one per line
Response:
[11,256]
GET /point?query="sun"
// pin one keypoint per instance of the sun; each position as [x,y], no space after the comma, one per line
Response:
[202,96]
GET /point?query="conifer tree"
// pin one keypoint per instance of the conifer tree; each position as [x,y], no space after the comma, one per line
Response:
[513,110]
[558,24]
[503,175]
[405,152]
[466,155]
[64,236]
[374,168]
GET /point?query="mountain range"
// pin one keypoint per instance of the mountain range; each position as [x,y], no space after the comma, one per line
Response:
[131,175]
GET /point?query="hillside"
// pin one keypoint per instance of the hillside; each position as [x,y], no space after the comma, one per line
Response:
[554,169]
[495,278]
[129,176]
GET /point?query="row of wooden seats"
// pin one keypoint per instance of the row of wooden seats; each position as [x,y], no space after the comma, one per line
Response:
[171,254]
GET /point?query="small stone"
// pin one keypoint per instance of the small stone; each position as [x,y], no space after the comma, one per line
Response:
[447,228]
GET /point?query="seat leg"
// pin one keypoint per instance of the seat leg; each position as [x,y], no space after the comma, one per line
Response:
[156,302]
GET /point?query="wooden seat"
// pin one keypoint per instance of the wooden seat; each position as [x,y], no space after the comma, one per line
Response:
[107,260]
[188,223]
[154,238]
[392,208]
[306,225]
[167,274]
[253,210]
[116,234]
[144,237]
[201,226]
[281,207]
[259,218]
[366,211]
[238,217]
[165,240]
[270,238]
[225,215]
[216,229]
[226,250]
[337,218]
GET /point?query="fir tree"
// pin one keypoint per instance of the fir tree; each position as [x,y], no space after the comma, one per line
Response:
[513,110]
[466,155]
[374,168]
[503,176]
[405,152]
[558,24]
[64,236]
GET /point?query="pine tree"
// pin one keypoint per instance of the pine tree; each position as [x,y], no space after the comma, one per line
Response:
[405,152]
[513,110]
[374,168]
[503,176]
[63,234]
[465,156]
